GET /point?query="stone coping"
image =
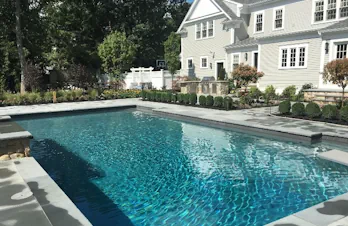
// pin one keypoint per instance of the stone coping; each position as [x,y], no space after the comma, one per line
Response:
[15,136]
[5,118]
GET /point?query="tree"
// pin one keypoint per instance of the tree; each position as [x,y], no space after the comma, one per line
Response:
[116,53]
[19,36]
[172,54]
[245,74]
[80,76]
[34,77]
[336,72]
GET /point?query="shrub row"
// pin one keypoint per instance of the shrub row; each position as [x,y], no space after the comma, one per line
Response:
[10,99]
[189,99]
[312,110]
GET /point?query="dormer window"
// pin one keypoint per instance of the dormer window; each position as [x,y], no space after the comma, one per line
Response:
[259,22]
[344,8]
[205,30]
[319,11]
[331,9]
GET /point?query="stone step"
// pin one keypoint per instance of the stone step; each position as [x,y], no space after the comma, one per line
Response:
[336,156]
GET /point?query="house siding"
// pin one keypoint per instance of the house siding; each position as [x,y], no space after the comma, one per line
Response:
[297,17]
[281,78]
[213,48]
[242,52]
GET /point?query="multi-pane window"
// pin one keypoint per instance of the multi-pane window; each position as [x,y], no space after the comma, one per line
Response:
[198,31]
[278,22]
[293,56]
[331,9]
[204,62]
[284,57]
[342,51]
[259,22]
[344,8]
[210,28]
[319,11]
[205,30]
[302,57]
[235,61]
[189,63]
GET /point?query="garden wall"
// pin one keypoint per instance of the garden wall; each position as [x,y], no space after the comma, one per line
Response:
[323,96]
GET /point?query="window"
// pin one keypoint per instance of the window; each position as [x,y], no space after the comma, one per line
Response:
[293,56]
[204,62]
[278,18]
[235,61]
[341,51]
[205,30]
[319,11]
[189,63]
[331,9]
[344,8]
[259,22]
[284,57]
[198,31]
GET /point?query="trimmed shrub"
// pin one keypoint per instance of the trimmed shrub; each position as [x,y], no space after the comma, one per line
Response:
[193,99]
[228,103]
[174,98]
[186,98]
[289,92]
[218,102]
[298,109]
[143,95]
[169,97]
[202,100]
[329,112]
[163,97]
[344,113]
[181,98]
[158,97]
[313,110]
[285,107]
[210,101]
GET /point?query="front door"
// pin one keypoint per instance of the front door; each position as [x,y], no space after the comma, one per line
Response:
[220,71]
[256,60]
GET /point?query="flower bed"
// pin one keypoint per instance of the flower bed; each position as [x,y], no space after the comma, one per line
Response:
[312,111]
[10,99]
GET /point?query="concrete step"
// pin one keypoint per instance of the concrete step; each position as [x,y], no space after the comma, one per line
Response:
[337,156]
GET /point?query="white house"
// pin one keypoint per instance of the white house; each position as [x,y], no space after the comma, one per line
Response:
[289,40]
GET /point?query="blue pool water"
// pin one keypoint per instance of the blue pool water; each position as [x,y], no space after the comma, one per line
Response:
[132,168]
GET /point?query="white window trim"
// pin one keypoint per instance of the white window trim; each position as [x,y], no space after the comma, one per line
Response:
[333,47]
[232,57]
[289,47]
[338,7]
[263,21]
[200,62]
[187,64]
[201,24]
[274,18]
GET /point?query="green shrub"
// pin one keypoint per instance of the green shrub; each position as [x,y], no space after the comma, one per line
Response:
[255,93]
[210,101]
[298,109]
[344,113]
[193,99]
[77,93]
[164,97]
[186,98]
[289,93]
[158,96]
[313,110]
[202,100]
[174,98]
[48,97]
[329,112]
[61,93]
[69,96]
[181,98]
[285,107]
[228,103]
[169,97]
[270,93]
[92,94]
[143,95]
[245,100]
[218,102]
[339,103]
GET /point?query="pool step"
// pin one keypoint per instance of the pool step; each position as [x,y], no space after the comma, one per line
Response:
[337,156]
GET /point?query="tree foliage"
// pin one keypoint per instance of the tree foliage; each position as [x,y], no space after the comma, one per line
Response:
[172,52]
[116,53]
[245,74]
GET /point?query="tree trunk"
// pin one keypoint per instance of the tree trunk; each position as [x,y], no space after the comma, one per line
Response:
[19,36]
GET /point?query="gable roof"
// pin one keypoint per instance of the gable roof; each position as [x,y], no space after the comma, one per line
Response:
[339,26]
[219,3]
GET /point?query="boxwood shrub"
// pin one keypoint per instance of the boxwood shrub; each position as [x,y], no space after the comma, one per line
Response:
[158,97]
[202,100]
[174,98]
[164,97]
[181,98]
[298,109]
[228,103]
[313,110]
[186,98]
[344,113]
[285,107]
[218,102]
[210,101]
[329,112]
[193,99]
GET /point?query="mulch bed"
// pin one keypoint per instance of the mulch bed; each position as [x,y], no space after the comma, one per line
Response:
[337,122]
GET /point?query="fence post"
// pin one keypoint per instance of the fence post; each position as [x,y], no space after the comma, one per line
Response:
[163,79]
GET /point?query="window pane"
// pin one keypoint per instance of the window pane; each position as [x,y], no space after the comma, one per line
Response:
[344,8]
[302,57]
[341,51]
[204,30]
[198,31]
[211,28]
[331,9]
[284,57]
[259,19]
[235,61]
[279,18]
[319,11]
[204,62]
[190,64]
[292,57]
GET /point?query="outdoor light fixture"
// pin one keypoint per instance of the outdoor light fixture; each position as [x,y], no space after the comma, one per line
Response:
[326,47]
[246,56]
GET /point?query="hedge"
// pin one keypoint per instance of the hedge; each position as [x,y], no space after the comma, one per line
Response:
[313,110]
[218,102]
[344,113]
[298,109]
[202,100]
[329,112]
[228,103]
[186,98]
[193,99]
[285,107]
[210,101]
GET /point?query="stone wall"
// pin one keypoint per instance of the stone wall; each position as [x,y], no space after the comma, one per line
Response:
[323,97]
[218,88]
[13,149]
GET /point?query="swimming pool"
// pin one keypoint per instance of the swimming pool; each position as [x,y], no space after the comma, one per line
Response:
[133,168]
